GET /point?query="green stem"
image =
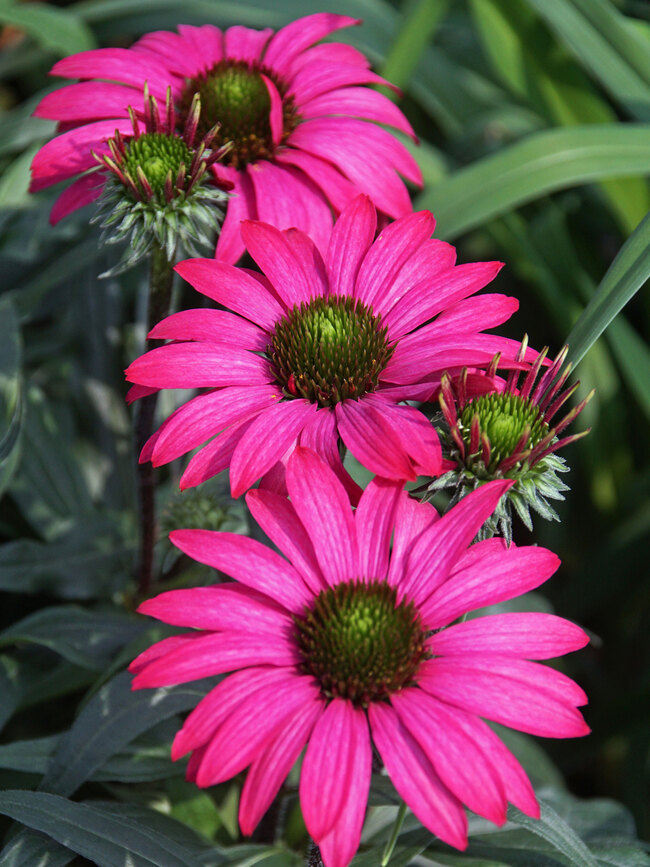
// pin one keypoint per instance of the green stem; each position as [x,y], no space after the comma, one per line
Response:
[160,289]
[397,827]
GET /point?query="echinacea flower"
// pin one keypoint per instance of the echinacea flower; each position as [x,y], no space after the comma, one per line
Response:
[302,126]
[321,352]
[156,187]
[346,643]
[507,430]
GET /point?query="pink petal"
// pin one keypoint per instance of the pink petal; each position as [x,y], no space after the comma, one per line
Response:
[287,198]
[435,552]
[116,64]
[330,52]
[80,193]
[485,311]
[198,365]
[277,517]
[204,44]
[359,102]
[415,779]
[270,768]
[276,114]
[351,238]
[374,519]
[307,252]
[243,43]
[216,653]
[322,505]
[371,438]
[513,777]
[300,34]
[137,392]
[233,288]
[241,206]
[224,607]
[219,703]
[248,561]
[90,100]
[339,846]
[523,695]
[493,573]
[212,326]
[266,440]
[247,731]
[338,190]
[532,636]
[415,433]
[431,259]
[277,259]
[331,766]
[160,649]
[206,415]
[434,293]
[321,436]
[213,457]
[463,766]
[178,53]
[70,152]
[366,154]
[321,76]
[411,518]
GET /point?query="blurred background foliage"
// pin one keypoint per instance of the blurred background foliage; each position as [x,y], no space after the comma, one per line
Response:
[534,126]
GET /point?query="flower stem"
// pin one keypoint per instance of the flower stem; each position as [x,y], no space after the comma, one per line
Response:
[397,827]
[160,288]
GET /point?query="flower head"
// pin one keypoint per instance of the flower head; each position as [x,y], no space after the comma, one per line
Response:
[302,127]
[508,430]
[322,352]
[156,187]
[346,643]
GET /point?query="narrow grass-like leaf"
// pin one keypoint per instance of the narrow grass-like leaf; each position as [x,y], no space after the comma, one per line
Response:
[540,164]
[421,19]
[605,45]
[625,276]
[56,29]
[11,392]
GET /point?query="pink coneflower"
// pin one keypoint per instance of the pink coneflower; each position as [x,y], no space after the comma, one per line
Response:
[297,115]
[509,430]
[321,352]
[344,643]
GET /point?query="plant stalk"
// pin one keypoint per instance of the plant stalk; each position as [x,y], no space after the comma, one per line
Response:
[160,289]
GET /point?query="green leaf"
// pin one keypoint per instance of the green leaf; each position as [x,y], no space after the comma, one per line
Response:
[606,46]
[111,719]
[420,21]
[95,833]
[625,276]
[11,392]
[14,184]
[31,849]
[83,564]
[57,29]
[540,164]
[87,639]
[554,830]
